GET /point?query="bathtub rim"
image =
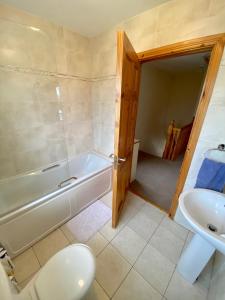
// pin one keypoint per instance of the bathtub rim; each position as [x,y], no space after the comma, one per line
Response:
[15,213]
[60,162]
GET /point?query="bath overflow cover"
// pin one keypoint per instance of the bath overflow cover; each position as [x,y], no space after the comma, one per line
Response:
[212,227]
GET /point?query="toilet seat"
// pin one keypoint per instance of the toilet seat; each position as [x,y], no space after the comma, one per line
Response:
[67,275]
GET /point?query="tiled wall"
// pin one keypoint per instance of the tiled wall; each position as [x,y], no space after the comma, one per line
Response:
[33,63]
[103,99]
[44,73]
[168,23]
[174,21]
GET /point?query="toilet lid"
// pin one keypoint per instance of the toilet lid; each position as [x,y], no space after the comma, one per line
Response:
[67,275]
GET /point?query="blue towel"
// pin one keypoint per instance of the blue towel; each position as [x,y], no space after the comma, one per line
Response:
[211,175]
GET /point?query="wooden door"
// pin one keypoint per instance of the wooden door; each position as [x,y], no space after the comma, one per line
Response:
[128,78]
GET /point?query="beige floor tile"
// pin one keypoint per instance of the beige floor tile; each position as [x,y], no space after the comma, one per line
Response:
[84,225]
[50,245]
[204,278]
[69,235]
[142,225]
[128,213]
[188,239]
[108,232]
[175,228]
[96,292]
[180,289]
[97,243]
[107,199]
[111,269]
[129,244]
[26,281]
[153,213]
[134,200]
[167,244]
[26,264]
[135,287]
[155,268]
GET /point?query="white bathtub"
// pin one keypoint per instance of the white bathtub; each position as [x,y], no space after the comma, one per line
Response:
[34,204]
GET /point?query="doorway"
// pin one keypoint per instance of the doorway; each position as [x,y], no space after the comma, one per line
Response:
[170,90]
[127,83]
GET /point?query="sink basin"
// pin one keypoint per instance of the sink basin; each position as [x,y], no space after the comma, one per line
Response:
[205,211]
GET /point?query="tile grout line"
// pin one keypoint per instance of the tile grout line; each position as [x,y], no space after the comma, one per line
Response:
[123,225]
[172,262]
[170,280]
[30,276]
[104,246]
[154,288]
[149,239]
[132,264]
[175,267]
[141,254]
[109,243]
[121,282]
[36,256]
[102,288]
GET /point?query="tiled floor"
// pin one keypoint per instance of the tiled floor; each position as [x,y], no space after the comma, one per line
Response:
[137,260]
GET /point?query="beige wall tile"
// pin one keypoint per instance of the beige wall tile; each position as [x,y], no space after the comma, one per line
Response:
[28,97]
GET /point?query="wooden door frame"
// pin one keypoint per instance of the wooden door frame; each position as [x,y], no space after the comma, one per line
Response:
[215,43]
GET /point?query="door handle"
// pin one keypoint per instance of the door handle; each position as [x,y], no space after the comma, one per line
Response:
[120,160]
[117,159]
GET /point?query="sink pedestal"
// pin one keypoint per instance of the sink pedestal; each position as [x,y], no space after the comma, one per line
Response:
[194,258]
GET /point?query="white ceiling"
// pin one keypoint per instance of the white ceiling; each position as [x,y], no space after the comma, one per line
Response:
[191,62]
[87,17]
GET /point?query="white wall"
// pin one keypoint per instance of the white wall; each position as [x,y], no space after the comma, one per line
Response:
[165,96]
[184,96]
[152,109]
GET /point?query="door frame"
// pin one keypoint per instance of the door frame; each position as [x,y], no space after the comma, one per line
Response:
[215,43]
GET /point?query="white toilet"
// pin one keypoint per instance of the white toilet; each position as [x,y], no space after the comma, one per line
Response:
[68,275]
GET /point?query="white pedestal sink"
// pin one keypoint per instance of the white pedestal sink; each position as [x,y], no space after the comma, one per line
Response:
[205,211]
